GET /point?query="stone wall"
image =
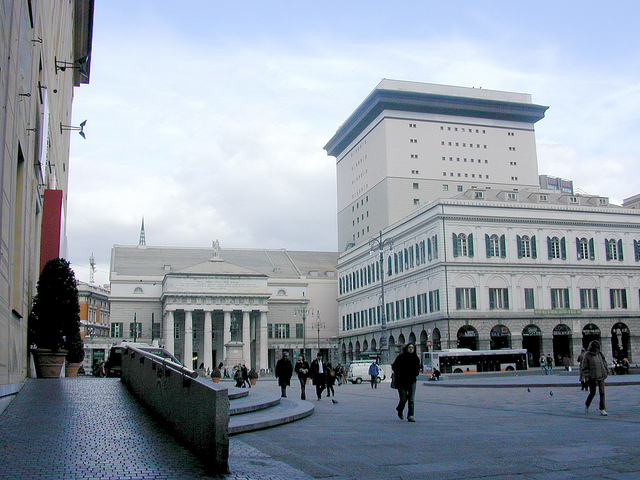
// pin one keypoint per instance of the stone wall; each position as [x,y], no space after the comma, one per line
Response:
[196,411]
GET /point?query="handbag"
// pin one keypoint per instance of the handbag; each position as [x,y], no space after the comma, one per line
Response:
[393,381]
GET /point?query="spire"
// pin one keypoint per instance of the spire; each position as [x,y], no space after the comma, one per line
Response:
[92,269]
[142,240]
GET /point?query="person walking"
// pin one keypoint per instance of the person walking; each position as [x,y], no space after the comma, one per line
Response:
[284,371]
[543,364]
[406,368]
[302,370]
[318,375]
[594,370]
[331,380]
[245,376]
[374,371]
[549,364]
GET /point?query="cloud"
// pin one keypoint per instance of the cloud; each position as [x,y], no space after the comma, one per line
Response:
[218,134]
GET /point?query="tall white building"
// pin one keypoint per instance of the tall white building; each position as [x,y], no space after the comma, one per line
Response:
[411,143]
[482,256]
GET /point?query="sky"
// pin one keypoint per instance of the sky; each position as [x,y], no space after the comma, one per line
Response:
[208,118]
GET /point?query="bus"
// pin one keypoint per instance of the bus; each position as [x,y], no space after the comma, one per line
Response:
[464,360]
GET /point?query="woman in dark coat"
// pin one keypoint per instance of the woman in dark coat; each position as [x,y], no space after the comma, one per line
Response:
[284,371]
[406,368]
[594,370]
[302,370]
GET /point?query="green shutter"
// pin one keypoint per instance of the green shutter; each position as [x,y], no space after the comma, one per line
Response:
[506,298]
[563,248]
[534,248]
[473,298]
[487,243]
[519,245]
[578,248]
[458,299]
[470,244]
[492,298]
[455,245]
[549,248]
[503,246]
[606,249]
[620,257]
[592,250]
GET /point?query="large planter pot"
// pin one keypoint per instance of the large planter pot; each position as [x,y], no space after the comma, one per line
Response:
[48,363]
[215,379]
[71,369]
[253,381]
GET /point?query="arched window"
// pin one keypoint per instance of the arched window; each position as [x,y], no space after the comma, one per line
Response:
[463,249]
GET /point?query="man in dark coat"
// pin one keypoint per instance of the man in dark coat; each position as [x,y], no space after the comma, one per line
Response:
[406,369]
[594,370]
[318,372]
[284,371]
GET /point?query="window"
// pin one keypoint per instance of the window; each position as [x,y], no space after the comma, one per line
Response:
[465,298]
[588,298]
[543,198]
[529,301]
[557,248]
[560,298]
[413,140]
[526,246]
[585,249]
[117,329]
[496,245]
[176,331]
[135,329]
[459,187]
[512,196]
[416,186]
[299,330]
[156,330]
[434,301]
[614,249]
[463,245]
[498,299]
[278,330]
[636,249]
[618,298]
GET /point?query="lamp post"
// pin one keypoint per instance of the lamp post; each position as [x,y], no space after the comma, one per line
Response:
[378,245]
[318,325]
[303,312]
[135,328]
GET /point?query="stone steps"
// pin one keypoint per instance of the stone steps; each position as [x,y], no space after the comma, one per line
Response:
[253,409]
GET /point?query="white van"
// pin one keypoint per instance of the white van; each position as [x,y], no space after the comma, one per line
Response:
[359,371]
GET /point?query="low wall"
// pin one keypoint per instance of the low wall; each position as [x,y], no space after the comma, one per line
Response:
[196,411]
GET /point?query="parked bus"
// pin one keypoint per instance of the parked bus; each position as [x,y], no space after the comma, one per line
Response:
[464,360]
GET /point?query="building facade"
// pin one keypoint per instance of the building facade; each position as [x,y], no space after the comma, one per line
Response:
[482,256]
[46,50]
[210,305]
[95,323]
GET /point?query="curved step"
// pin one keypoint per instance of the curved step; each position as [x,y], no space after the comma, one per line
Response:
[251,403]
[284,412]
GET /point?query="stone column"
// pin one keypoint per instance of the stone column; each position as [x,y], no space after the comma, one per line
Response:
[207,356]
[246,338]
[226,332]
[263,346]
[187,359]
[168,334]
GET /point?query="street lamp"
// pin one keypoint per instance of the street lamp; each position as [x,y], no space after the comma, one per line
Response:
[377,245]
[303,312]
[318,325]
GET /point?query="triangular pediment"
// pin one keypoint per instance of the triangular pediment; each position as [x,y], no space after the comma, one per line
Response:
[216,267]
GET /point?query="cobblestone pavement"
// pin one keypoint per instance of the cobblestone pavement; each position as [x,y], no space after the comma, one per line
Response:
[90,428]
[534,430]
[537,429]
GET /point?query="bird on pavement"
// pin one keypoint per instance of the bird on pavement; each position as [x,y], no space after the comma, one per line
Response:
[334,401]
[551,393]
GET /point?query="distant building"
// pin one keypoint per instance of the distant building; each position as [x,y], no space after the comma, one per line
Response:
[95,323]
[46,50]
[632,202]
[482,256]
[212,305]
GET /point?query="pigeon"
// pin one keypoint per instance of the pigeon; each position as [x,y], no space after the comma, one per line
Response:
[334,401]
[551,393]
[528,390]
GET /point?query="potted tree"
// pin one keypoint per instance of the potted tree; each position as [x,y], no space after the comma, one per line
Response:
[54,321]
[216,374]
[253,376]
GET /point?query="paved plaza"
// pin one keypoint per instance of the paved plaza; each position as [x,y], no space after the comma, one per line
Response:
[506,427]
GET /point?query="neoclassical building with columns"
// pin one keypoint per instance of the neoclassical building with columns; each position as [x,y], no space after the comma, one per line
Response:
[210,305]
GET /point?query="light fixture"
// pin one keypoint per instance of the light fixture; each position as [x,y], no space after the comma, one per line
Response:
[79,129]
[80,65]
